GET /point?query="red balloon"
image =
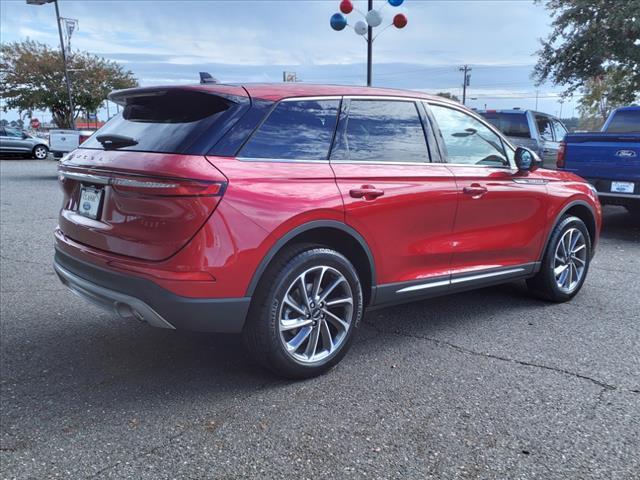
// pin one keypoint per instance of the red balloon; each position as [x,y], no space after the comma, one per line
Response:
[400,20]
[346,6]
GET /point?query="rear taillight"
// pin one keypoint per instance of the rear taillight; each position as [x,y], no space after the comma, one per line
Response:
[143,185]
[166,187]
[560,156]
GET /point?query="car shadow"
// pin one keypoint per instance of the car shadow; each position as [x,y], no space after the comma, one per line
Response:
[619,224]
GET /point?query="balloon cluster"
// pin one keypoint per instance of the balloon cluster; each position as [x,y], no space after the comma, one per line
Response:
[373,18]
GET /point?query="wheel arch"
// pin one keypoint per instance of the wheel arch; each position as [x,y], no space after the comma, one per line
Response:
[585,212]
[333,234]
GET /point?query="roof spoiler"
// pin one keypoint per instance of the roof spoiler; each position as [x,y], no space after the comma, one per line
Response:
[205,77]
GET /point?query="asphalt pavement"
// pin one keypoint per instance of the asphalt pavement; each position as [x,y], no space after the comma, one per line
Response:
[485,384]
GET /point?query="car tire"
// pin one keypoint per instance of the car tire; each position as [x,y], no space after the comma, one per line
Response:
[40,152]
[312,330]
[565,263]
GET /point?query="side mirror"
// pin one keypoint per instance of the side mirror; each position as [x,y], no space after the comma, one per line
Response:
[526,160]
[25,135]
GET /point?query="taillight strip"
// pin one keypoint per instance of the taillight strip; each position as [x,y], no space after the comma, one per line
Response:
[85,177]
[150,185]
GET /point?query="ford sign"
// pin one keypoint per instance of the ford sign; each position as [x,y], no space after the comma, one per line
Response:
[626,153]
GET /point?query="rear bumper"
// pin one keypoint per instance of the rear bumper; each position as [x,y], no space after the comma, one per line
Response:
[140,298]
[603,186]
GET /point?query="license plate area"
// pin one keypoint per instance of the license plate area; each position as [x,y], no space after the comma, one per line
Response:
[90,202]
[622,187]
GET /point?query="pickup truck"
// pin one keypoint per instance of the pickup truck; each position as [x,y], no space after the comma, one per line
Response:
[65,141]
[609,160]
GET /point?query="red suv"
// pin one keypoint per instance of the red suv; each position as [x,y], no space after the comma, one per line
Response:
[282,212]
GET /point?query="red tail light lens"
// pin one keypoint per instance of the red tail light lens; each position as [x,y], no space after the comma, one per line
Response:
[560,156]
[143,185]
[167,187]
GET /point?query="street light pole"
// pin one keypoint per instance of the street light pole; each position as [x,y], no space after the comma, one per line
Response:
[369,48]
[66,70]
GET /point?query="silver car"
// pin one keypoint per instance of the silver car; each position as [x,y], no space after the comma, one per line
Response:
[16,142]
[538,131]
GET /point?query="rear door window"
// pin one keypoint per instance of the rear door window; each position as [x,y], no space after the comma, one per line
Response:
[295,130]
[381,131]
[170,121]
[544,127]
[511,124]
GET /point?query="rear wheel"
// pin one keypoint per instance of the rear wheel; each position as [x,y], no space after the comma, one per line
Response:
[565,263]
[305,312]
[40,152]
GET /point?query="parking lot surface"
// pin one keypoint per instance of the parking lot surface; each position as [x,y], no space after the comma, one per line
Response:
[486,384]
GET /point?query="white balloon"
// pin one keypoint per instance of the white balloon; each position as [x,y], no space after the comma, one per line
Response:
[360,27]
[374,18]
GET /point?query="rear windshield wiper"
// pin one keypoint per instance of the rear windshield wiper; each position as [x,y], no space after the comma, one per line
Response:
[111,141]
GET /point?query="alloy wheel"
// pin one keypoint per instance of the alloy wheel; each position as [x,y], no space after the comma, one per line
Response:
[315,314]
[570,260]
[40,153]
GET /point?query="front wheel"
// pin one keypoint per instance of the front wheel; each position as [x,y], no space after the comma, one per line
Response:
[40,152]
[566,262]
[305,313]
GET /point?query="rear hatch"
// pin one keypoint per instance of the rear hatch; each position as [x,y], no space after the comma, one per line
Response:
[141,186]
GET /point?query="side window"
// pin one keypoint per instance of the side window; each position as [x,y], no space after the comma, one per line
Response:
[382,131]
[544,127]
[12,132]
[467,140]
[295,130]
[559,130]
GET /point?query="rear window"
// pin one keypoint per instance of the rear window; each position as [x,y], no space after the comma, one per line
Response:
[511,124]
[169,121]
[625,121]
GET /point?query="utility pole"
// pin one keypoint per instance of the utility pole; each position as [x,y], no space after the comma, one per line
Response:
[466,80]
[64,55]
[537,91]
[66,69]
[560,116]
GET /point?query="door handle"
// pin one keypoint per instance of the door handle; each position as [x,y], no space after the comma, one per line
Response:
[475,190]
[368,192]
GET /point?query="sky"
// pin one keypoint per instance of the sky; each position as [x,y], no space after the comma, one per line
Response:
[170,41]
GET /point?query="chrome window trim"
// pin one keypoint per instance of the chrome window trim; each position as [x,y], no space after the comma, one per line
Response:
[310,98]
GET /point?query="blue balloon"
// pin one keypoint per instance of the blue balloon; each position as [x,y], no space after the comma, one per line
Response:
[395,3]
[338,21]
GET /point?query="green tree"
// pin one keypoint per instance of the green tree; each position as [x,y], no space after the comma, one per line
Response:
[448,95]
[593,40]
[604,93]
[32,78]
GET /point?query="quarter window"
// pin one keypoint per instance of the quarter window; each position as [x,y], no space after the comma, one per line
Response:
[559,130]
[467,140]
[382,131]
[295,130]
[544,127]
